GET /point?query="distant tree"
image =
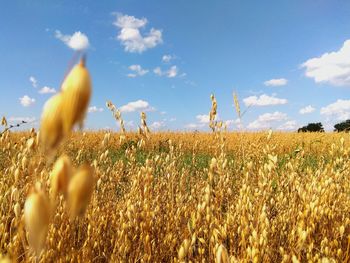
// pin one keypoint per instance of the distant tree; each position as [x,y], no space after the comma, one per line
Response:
[312,127]
[342,126]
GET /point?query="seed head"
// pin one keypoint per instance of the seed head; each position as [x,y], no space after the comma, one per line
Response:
[51,132]
[60,176]
[36,217]
[76,90]
[80,190]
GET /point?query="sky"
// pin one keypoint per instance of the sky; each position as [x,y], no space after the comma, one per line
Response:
[287,61]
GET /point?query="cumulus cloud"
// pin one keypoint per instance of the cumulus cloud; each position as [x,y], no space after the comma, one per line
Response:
[276,82]
[263,100]
[33,81]
[288,125]
[78,41]
[137,71]
[339,110]
[47,90]
[130,34]
[167,58]
[265,121]
[26,101]
[139,105]
[170,73]
[307,109]
[332,68]
[94,109]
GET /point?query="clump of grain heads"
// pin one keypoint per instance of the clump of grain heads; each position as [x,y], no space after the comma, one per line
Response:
[60,176]
[67,108]
[80,190]
[76,90]
[51,129]
[36,217]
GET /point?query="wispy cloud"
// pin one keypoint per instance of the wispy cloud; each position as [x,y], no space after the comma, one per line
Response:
[94,109]
[78,41]
[33,81]
[157,125]
[170,73]
[26,101]
[263,100]
[307,109]
[288,125]
[20,119]
[47,90]
[276,82]
[137,71]
[130,34]
[203,118]
[167,58]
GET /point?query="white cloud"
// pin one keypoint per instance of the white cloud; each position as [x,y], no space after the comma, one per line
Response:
[157,125]
[307,109]
[20,119]
[131,37]
[263,100]
[172,119]
[288,125]
[137,71]
[167,58]
[332,68]
[265,121]
[158,71]
[170,73]
[130,124]
[33,81]
[26,101]
[276,82]
[93,109]
[339,110]
[47,90]
[78,41]
[203,118]
[194,125]
[139,105]
[236,122]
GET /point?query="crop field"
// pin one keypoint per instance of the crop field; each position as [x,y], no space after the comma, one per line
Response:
[218,196]
[178,197]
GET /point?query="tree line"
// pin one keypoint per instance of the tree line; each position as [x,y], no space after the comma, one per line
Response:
[318,127]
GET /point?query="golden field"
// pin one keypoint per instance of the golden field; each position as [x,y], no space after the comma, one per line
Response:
[185,197]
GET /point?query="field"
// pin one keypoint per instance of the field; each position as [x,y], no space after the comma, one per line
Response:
[185,197]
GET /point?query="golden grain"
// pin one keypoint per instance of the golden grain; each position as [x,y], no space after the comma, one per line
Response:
[36,216]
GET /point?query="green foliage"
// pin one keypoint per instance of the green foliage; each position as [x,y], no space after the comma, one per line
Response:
[342,126]
[312,127]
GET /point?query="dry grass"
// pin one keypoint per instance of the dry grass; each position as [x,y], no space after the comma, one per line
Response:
[181,197]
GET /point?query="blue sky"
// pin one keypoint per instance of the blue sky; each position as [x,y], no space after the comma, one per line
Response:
[288,61]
